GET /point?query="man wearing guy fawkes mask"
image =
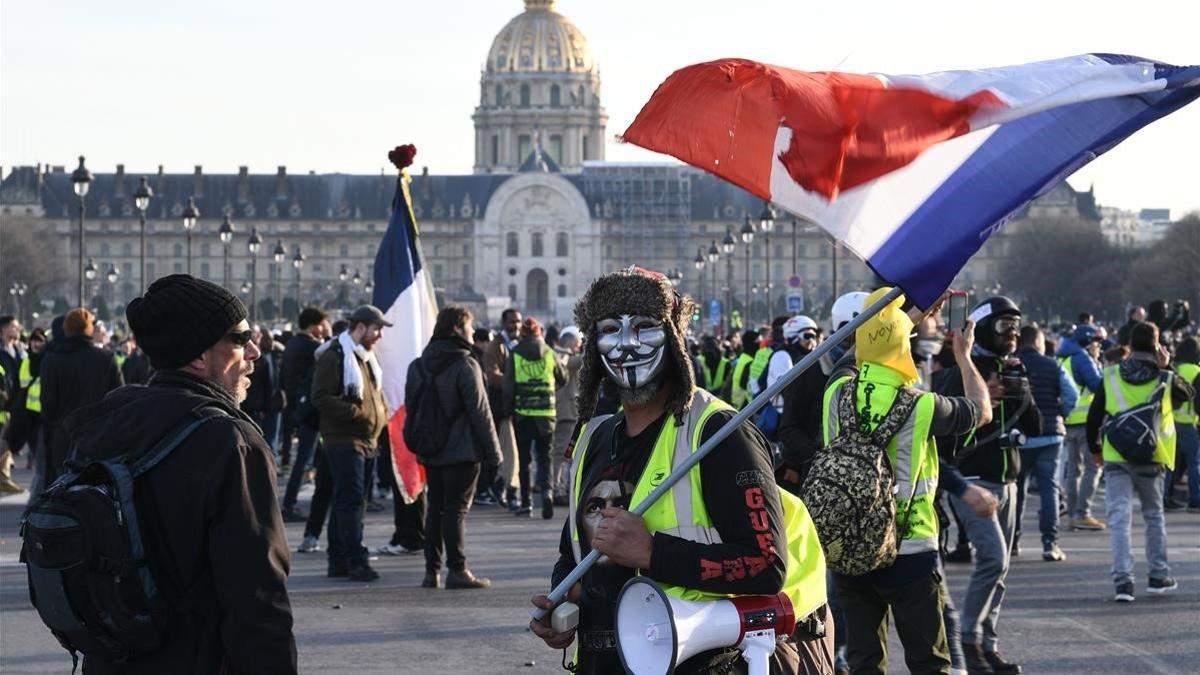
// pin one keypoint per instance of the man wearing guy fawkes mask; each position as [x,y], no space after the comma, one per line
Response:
[742,538]
[990,458]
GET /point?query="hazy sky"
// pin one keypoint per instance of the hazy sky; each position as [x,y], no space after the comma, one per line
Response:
[330,86]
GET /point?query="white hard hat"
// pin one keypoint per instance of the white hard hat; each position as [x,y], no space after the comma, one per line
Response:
[796,325]
[568,331]
[847,307]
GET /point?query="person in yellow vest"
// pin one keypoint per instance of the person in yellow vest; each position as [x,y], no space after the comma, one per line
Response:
[1187,364]
[737,386]
[724,530]
[1079,355]
[716,366]
[531,376]
[911,588]
[1134,382]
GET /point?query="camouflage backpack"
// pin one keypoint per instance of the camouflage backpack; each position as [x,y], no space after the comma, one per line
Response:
[850,488]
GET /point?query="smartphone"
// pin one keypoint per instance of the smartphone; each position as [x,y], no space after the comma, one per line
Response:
[954,311]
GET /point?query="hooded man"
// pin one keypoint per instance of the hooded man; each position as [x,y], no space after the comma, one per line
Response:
[1078,356]
[744,537]
[214,536]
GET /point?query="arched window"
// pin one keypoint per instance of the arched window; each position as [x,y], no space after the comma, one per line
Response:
[562,290]
[561,245]
[524,96]
[511,246]
[555,96]
[537,290]
[536,245]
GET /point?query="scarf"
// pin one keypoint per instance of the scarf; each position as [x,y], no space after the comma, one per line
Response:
[352,352]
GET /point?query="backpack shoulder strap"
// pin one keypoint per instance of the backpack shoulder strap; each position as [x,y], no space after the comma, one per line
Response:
[172,440]
[897,415]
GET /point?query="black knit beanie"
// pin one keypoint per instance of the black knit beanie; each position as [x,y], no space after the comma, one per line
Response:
[180,317]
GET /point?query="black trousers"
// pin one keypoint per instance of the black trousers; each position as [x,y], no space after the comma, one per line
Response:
[409,519]
[917,607]
[321,495]
[534,435]
[450,489]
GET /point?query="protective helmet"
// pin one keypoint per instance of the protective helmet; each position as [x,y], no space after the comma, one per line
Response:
[985,314]
[796,325]
[1086,334]
[846,308]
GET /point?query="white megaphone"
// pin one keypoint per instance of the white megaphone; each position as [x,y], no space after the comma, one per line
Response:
[656,633]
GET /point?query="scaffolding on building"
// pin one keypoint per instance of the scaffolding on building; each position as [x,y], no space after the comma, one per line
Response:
[645,209]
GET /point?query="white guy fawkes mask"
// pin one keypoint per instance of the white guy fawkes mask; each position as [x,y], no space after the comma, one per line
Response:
[632,349]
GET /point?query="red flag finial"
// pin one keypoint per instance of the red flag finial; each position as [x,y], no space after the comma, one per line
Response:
[402,156]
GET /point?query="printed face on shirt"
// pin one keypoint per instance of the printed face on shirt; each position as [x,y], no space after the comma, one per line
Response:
[632,348]
[605,494]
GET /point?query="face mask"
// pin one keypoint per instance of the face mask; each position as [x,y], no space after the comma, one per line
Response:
[928,347]
[632,349]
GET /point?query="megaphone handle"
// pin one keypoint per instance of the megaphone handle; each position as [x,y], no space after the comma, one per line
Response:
[757,648]
[560,591]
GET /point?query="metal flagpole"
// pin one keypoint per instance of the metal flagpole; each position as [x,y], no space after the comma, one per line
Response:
[767,395]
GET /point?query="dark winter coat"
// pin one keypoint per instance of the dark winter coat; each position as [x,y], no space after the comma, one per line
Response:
[75,373]
[264,395]
[1045,378]
[136,369]
[458,379]
[346,420]
[295,373]
[211,525]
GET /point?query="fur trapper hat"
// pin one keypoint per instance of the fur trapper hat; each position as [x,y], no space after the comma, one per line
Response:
[636,292]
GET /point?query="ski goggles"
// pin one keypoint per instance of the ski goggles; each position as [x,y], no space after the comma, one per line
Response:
[1006,323]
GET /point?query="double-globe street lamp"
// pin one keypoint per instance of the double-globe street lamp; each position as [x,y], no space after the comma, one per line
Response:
[89,273]
[698,263]
[190,215]
[112,275]
[727,247]
[253,245]
[279,254]
[747,235]
[225,232]
[141,199]
[81,180]
[766,223]
[298,262]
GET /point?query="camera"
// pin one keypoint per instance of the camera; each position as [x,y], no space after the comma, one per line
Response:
[1013,379]
[1012,440]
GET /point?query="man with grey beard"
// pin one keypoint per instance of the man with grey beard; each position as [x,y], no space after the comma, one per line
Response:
[207,512]
[726,529]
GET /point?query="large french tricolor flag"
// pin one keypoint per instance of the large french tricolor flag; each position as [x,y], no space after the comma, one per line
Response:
[404,292]
[911,172]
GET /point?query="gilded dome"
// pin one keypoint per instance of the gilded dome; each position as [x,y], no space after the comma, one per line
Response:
[540,40]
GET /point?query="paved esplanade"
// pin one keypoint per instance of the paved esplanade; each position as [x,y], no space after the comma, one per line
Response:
[1057,618]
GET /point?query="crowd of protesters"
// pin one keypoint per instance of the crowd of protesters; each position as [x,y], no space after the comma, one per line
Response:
[1019,414]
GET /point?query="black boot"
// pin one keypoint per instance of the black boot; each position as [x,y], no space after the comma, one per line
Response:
[975,661]
[999,665]
[547,505]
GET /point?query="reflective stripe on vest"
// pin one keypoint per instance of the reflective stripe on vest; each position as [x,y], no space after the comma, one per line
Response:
[1186,414]
[534,386]
[1120,396]
[912,453]
[1078,414]
[685,515]
[716,380]
[762,358]
[740,391]
[32,386]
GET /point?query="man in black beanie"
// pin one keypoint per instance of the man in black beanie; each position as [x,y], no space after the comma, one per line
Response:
[212,527]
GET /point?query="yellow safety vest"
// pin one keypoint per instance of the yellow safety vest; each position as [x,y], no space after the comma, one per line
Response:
[912,452]
[716,377]
[1187,412]
[1120,396]
[534,385]
[32,386]
[740,392]
[684,514]
[1079,413]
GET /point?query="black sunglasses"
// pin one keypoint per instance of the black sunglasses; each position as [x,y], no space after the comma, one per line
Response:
[240,339]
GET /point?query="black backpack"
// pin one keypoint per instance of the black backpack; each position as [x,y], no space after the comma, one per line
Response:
[1133,432]
[82,546]
[426,424]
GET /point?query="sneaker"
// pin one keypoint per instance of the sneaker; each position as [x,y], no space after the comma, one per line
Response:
[464,579]
[1194,509]
[1124,592]
[431,580]
[397,549]
[1172,506]
[310,545]
[363,572]
[1160,586]
[962,554]
[8,486]
[485,499]
[999,665]
[1052,553]
[525,511]
[294,515]
[1087,523]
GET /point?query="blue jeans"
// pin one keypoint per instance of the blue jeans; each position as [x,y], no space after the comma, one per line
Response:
[346,513]
[1121,482]
[992,538]
[1043,463]
[304,455]
[1187,440]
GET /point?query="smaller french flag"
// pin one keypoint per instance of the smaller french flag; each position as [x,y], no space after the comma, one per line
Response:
[404,292]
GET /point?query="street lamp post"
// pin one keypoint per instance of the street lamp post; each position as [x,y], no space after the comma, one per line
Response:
[713,255]
[747,234]
[766,223]
[795,244]
[89,273]
[141,199]
[190,214]
[298,262]
[253,245]
[226,234]
[358,282]
[698,262]
[112,275]
[279,254]
[727,246]
[81,179]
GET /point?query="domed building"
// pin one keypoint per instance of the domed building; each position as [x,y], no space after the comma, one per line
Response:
[539,86]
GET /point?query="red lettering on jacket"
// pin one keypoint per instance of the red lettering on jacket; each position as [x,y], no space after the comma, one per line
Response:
[709,569]
[755,565]
[760,521]
[754,498]
[734,570]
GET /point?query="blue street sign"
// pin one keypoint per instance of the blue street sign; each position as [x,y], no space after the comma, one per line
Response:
[714,312]
[795,303]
